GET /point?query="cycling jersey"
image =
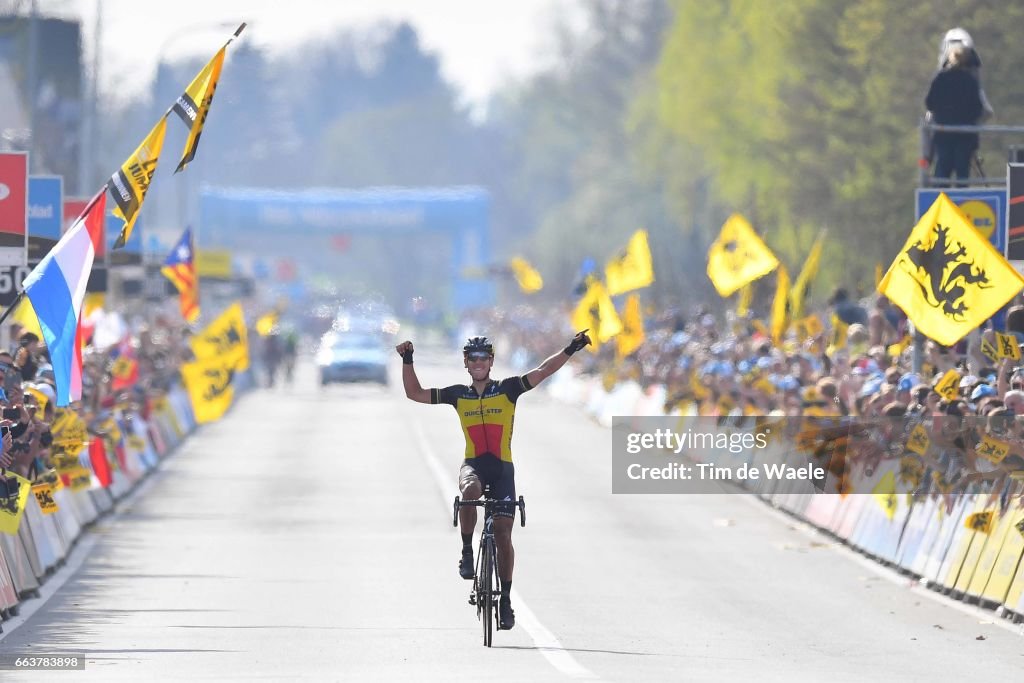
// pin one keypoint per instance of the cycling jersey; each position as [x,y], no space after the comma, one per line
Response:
[486,419]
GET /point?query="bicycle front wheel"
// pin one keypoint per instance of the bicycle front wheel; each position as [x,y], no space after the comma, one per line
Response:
[486,579]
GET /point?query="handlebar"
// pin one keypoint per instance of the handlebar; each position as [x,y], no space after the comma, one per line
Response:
[487,503]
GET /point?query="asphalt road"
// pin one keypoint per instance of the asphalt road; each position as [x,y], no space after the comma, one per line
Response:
[307,535]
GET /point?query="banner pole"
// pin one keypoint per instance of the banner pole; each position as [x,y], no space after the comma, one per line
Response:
[14,304]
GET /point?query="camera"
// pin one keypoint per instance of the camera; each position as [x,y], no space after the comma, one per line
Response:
[46,439]
[10,414]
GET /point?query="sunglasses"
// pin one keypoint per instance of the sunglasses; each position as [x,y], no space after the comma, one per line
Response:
[478,355]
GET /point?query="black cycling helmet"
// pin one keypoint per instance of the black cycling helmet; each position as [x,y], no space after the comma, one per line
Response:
[477,344]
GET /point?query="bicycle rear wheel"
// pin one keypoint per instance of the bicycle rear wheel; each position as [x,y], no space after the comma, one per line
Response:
[486,598]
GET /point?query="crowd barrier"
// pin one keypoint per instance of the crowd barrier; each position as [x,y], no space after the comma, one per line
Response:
[43,542]
[927,538]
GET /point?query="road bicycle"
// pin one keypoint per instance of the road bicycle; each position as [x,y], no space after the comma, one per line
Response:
[485,593]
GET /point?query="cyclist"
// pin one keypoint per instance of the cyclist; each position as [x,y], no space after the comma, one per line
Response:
[486,409]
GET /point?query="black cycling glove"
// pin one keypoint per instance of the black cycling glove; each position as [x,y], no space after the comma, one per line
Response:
[407,357]
[578,342]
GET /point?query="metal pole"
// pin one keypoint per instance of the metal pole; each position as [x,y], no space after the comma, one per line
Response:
[32,83]
[87,152]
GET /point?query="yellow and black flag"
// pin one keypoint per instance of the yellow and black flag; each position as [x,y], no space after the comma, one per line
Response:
[129,184]
[527,277]
[194,104]
[266,322]
[596,312]
[780,306]
[225,340]
[947,278]
[802,285]
[981,521]
[210,386]
[738,256]
[632,334]
[632,268]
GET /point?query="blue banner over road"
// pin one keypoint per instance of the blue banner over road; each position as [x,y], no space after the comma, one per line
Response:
[455,220]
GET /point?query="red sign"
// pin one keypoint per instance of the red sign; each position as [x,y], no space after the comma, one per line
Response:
[73,208]
[13,207]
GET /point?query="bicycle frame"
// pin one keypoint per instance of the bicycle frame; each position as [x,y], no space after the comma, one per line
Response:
[485,593]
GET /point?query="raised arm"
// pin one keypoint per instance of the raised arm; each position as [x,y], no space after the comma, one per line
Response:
[410,381]
[552,363]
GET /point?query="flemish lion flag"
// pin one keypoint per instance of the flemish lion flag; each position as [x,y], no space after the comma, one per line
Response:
[129,184]
[12,505]
[210,385]
[885,494]
[981,521]
[632,335]
[596,312]
[527,277]
[225,339]
[947,278]
[738,256]
[632,268]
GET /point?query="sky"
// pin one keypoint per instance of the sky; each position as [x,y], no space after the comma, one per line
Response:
[481,44]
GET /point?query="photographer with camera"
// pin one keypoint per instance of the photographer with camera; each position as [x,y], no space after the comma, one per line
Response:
[39,438]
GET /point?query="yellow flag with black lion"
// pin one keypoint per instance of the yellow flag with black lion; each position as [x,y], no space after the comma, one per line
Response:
[947,278]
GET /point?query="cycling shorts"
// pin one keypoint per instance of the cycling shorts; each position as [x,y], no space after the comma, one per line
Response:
[501,475]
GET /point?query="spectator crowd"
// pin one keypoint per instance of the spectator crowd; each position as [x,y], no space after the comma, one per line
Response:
[851,395]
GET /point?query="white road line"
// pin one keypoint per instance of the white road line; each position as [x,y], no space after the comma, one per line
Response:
[544,639]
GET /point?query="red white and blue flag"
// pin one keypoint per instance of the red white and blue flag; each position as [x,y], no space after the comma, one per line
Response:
[56,288]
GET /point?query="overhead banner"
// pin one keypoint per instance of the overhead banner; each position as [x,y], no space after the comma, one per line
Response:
[13,208]
[45,215]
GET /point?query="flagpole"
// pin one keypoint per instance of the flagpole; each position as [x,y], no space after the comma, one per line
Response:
[10,309]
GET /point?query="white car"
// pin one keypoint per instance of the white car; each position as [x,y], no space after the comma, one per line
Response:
[352,357]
